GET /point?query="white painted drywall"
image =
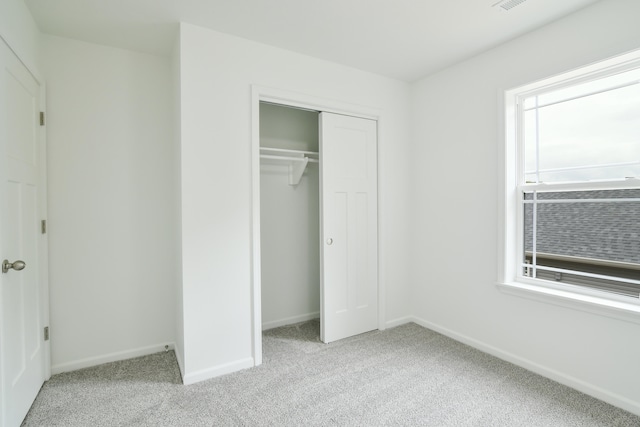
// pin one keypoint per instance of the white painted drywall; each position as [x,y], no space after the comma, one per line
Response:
[217,72]
[455,168]
[289,216]
[288,128]
[177,228]
[20,31]
[112,197]
[289,246]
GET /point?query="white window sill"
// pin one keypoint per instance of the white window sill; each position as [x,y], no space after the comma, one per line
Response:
[627,311]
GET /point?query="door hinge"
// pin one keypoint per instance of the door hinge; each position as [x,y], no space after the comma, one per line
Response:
[41,118]
[46,333]
[43,226]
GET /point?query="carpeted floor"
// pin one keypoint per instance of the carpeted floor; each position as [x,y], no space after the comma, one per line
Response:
[408,376]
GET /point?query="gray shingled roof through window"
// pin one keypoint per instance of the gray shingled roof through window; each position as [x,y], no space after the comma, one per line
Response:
[604,231]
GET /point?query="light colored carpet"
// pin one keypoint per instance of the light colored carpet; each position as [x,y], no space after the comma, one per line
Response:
[408,376]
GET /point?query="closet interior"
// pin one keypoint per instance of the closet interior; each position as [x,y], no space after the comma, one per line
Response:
[289,215]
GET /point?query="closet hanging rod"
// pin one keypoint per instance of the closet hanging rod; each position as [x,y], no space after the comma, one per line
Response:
[288,159]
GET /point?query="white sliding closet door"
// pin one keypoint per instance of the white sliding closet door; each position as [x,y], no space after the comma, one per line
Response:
[349,246]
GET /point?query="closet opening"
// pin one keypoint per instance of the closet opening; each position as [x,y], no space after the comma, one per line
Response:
[314,220]
[289,217]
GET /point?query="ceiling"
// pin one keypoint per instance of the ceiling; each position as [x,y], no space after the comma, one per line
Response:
[402,39]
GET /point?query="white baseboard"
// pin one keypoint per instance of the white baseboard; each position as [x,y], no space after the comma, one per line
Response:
[290,320]
[111,357]
[575,383]
[216,371]
[180,361]
[399,321]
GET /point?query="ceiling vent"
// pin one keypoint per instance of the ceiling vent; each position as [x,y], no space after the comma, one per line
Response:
[508,4]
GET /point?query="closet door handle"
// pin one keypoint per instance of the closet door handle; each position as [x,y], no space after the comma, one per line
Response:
[16,265]
[329,241]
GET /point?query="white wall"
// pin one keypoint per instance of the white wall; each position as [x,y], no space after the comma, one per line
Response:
[289,246]
[289,216]
[289,128]
[112,196]
[217,71]
[176,85]
[456,140]
[20,31]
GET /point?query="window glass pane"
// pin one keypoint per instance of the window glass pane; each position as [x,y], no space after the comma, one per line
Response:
[592,86]
[594,137]
[530,102]
[595,232]
[530,137]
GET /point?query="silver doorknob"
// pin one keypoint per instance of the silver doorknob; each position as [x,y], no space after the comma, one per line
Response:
[16,265]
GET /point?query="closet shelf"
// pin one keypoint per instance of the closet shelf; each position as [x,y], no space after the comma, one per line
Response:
[296,160]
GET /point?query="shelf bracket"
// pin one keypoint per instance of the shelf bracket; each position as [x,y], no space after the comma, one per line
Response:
[296,169]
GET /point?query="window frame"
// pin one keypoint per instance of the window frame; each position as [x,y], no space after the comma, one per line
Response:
[511,225]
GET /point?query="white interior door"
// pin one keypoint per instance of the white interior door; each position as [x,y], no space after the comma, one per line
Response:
[22,348]
[349,245]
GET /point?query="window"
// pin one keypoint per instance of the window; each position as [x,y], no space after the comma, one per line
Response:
[572,183]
